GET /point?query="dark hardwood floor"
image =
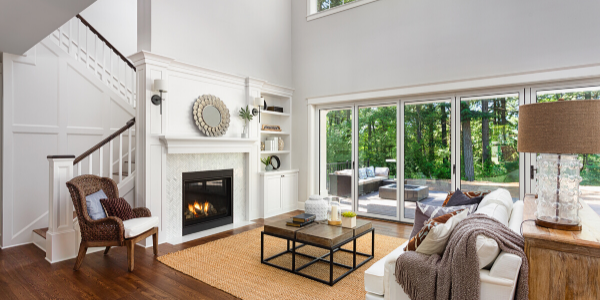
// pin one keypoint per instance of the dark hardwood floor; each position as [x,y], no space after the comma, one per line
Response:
[25,274]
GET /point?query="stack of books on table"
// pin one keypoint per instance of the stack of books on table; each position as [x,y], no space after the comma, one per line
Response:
[301,220]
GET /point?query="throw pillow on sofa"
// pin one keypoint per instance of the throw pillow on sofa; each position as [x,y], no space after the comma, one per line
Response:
[370,172]
[469,194]
[362,173]
[416,240]
[435,242]
[425,212]
[458,198]
[118,207]
[382,172]
[94,207]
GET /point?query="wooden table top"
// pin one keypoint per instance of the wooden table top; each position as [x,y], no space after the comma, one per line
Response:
[588,237]
[318,233]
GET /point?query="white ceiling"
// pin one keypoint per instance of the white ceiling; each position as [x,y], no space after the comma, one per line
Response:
[24,23]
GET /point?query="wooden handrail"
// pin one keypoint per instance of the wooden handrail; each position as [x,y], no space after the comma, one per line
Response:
[105,141]
[105,41]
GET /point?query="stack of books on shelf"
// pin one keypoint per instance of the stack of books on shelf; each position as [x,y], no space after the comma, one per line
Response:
[301,220]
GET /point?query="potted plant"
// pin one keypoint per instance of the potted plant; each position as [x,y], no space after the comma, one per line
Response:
[348,219]
[267,162]
[246,115]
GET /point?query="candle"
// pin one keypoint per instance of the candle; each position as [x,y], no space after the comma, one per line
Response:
[334,210]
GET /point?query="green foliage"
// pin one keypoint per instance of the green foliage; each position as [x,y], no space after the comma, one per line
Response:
[349,214]
[245,114]
[327,4]
[427,138]
[266,160]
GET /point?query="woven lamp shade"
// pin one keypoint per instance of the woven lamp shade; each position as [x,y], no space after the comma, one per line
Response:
[563,127]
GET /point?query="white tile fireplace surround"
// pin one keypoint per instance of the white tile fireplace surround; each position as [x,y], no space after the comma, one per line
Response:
[179,163]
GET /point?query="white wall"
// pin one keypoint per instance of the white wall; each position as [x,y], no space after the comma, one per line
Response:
[235,36]
[400,43]
[24,23]
[116,20]
[52,104]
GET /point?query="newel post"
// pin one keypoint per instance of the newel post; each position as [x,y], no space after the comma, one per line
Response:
[61,237]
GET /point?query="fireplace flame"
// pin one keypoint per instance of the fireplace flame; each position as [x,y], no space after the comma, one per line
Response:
[199,208]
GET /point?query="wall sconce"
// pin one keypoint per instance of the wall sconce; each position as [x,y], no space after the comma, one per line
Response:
[259,102]
[160,85]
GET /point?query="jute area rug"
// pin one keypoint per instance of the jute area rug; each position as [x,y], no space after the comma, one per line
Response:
[233,265]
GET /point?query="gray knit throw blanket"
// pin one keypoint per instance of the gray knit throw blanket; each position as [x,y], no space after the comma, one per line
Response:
[455,275]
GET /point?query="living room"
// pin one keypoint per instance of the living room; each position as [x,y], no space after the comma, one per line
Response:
[300,149]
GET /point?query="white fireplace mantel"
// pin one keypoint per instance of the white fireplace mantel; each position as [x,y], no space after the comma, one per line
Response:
[176,144]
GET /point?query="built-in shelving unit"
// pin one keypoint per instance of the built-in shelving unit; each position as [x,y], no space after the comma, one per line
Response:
[284,121]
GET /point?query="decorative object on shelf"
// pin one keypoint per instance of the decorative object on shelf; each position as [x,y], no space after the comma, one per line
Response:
[247,117]
[211,115]
[334,213]
[281,144]
[563,129]
[161,86]
[271,128]
[317,206]
[267,162]
[278,164]
[262,146]
[275,109]
[348,219]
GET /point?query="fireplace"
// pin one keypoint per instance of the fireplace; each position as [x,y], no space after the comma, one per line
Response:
[207,200]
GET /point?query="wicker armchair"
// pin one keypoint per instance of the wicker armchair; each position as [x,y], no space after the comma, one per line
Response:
[105,232]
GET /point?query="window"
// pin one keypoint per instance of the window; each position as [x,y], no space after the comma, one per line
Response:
[321,8]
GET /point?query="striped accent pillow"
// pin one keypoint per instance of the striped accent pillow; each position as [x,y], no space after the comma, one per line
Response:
[425,212]
[416,240]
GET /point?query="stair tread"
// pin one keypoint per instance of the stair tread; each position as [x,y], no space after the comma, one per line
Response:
[124,173]
[41,232]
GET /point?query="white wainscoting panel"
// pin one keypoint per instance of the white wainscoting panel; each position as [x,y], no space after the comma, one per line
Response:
[52,104]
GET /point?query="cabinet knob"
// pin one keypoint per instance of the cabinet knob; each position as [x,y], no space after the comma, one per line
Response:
[282,175]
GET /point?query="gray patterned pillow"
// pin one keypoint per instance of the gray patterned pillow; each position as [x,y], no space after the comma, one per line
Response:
[425,212]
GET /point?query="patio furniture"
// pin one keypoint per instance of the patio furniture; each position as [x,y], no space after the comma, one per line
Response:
[109,231]
[412,193]
[340,182]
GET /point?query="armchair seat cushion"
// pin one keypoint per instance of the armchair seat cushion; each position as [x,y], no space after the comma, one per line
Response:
[137,226]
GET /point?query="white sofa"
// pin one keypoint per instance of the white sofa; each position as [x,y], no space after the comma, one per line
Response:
[498,278]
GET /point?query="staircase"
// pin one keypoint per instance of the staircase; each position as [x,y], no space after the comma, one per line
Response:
[113,157]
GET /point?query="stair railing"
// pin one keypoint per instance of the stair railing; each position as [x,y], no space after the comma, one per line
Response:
[61,243]
[82,41]
[77,163]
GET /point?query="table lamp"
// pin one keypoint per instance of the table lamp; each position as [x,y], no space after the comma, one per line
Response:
[559,131]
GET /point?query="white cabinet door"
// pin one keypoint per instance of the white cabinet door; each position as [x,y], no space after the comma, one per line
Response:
[272,194]
[289,191]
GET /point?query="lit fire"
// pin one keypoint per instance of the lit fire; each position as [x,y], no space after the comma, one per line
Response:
[198,207]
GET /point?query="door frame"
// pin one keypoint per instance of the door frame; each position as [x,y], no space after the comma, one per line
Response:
[422,100]
[357,106]
[346,106]
[521,91]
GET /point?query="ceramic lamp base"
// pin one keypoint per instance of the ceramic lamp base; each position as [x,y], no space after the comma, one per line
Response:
[569,227]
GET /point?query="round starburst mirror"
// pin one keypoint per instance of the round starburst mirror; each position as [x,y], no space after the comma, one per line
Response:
[211,115]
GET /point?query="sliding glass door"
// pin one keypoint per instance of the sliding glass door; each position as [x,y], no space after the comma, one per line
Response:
[488,143]
[427,155]
[336,172]
[376,140]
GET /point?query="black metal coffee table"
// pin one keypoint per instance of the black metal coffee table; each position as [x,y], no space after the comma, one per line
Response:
[322,236]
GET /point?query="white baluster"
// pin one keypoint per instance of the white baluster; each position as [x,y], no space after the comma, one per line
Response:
[79,169]
[120,157]
[90,163]
[110,159]
[100,160]
[129,153]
